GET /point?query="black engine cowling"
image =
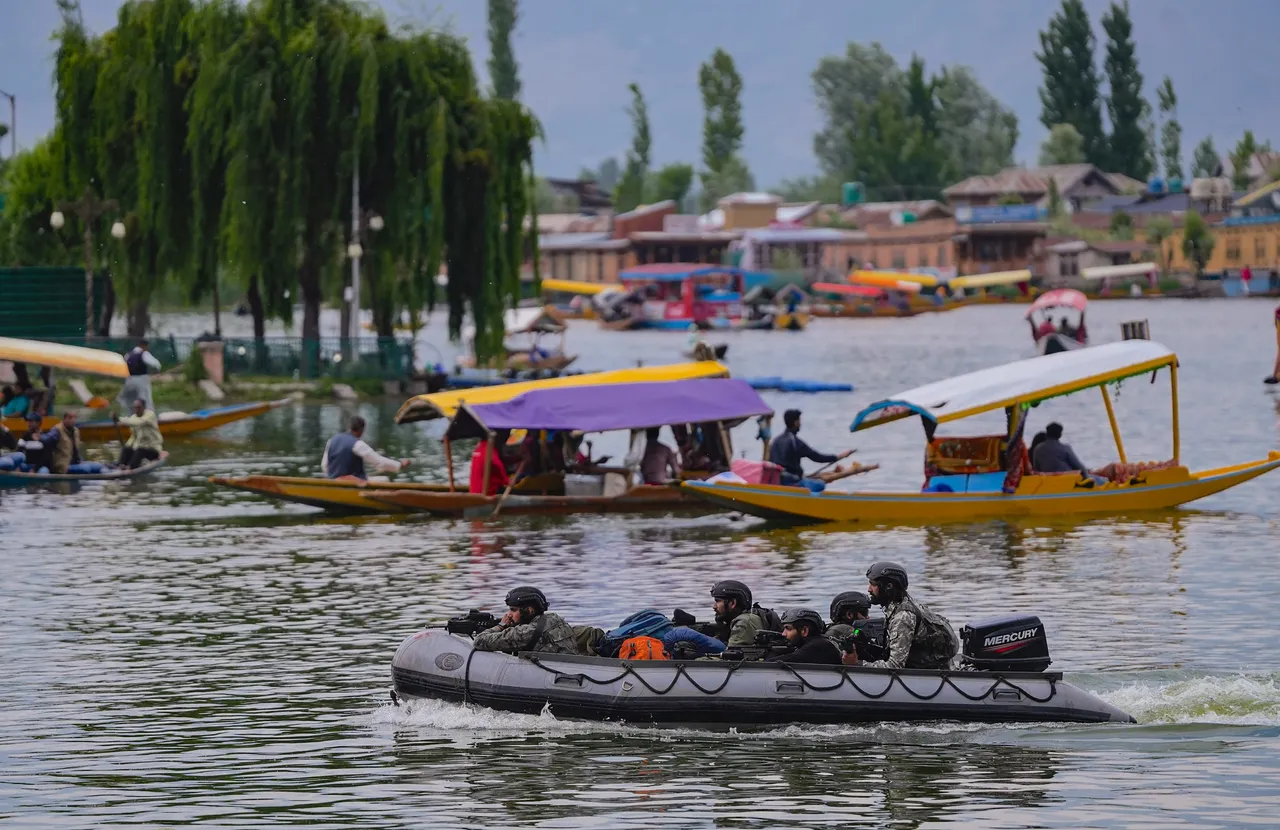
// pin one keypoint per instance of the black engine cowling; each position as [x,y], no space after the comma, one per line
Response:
[1006,644]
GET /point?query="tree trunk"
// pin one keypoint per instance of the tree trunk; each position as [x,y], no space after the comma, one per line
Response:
[217,309]
[309,284]
[139,319]
[108,306]
[254,298]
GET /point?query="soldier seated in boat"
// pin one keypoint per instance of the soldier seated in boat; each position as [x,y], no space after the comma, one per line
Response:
[917,637]
[737,622]
[803,628]
[847,609]
[346,454]
[528,626]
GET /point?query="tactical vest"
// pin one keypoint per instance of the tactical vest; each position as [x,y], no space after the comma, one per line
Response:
[341,459]
[934,643]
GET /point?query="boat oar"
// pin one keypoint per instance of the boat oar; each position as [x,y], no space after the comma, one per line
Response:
[828,464]
[507,492]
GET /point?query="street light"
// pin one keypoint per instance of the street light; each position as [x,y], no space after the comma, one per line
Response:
[362,222]
[88,209]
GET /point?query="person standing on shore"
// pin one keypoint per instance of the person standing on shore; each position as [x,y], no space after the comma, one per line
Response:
[140,360]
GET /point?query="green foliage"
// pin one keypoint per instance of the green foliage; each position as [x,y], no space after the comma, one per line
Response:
[821,188]
[1241,158]
[229,134]
[1130,153]
[630,189]
[1070,93]
[35,182]
[193,368]
[724,170]
[956,129]
[1197,241]
[1158,230]
[1064,145]
[1057,208]
[670,182]
[502,63]
[1206,162]
[1121,225]
[1171,131]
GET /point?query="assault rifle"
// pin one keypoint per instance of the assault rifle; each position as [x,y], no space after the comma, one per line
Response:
[472,623]
[767,644]
[867,641]
[683,618]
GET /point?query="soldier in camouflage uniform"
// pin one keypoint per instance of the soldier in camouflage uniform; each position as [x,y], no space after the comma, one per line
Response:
[917,637]
[736,622]
[528,626]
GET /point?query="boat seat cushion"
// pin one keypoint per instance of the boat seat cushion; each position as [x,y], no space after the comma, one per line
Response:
[1121,473]
[757,472]
[951,456]
[966,483]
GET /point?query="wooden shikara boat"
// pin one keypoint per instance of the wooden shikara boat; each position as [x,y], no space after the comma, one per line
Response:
[988,477]
[15,479]
[339,495]
[642,498]
[172,424]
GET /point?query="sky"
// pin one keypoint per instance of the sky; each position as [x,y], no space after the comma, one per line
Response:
[577,56]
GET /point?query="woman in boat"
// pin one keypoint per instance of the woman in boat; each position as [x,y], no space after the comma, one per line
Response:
[14,403]
[482,458]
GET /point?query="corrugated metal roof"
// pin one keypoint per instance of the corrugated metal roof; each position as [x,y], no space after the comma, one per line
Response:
[567,241]
[1035,180]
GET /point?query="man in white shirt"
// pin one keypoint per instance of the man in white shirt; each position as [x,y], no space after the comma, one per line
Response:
[346,455]
[138,386]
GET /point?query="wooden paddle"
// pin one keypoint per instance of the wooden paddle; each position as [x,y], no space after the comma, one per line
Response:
[507,492]
[828,464]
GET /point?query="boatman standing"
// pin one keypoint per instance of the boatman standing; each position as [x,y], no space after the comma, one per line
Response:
[787,451]
[1275,371]
[346,455]
[139,360]
[144,443]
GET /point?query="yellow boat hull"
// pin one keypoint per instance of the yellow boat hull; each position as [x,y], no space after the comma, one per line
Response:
[99,431]
[791,321]
[340,495]
[1036,496]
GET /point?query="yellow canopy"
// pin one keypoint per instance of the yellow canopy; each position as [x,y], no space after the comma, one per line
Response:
[576,287]
[58,356]
[989,280]
[883,277]
[445,404]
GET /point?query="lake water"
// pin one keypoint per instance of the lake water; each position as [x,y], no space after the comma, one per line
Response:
[172,653]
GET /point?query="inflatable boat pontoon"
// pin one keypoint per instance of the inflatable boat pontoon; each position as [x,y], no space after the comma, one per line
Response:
[440,665]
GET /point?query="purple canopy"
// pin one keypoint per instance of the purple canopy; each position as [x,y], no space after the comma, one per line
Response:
[616,407]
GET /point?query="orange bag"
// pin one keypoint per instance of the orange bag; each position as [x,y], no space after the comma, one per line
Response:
[642,648]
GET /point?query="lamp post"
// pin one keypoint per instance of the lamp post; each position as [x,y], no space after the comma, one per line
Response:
[88,209]
[13,123]
[362,223]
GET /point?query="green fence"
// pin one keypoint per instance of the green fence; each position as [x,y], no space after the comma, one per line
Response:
[45,303]
[386,358]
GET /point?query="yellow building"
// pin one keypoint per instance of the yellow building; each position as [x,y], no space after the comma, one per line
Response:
[1251,236]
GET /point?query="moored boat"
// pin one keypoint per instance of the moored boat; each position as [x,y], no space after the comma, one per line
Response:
[439,665]
[989,476]
[523,345]
[13,478]
[339,495]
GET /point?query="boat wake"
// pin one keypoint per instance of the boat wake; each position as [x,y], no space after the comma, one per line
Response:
[1157,699]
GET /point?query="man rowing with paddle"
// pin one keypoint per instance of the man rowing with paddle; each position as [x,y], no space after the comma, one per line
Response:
[787,451]
[346,454]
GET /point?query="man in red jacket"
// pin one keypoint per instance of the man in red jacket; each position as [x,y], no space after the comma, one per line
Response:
[498,478]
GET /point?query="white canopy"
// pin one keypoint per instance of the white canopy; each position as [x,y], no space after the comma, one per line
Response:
[1135,269]
[1026,381]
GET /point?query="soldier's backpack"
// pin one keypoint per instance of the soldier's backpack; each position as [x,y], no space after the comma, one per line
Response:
[770,618]
[646,623]
[642,648]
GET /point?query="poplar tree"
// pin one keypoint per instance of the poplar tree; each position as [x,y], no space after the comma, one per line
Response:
[1130,153]
[1070,94]
[503,16]
[724,170]
[1170,130]
[630,191]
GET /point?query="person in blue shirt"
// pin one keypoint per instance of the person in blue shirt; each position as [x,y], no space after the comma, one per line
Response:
[788,450]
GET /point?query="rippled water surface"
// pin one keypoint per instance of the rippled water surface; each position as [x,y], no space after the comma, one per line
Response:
[173,653]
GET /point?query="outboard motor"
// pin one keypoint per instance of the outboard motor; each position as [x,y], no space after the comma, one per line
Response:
[1005,644]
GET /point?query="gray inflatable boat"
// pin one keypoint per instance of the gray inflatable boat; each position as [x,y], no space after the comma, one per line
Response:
[437,664]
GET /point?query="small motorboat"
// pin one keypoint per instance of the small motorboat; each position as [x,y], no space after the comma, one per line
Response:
[13,478]
[998,685]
